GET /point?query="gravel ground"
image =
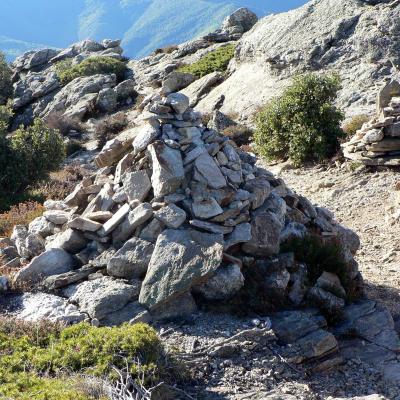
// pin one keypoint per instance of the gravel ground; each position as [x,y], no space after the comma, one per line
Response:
[366,201]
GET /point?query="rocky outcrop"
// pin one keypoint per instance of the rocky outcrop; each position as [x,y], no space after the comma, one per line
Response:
[38,91]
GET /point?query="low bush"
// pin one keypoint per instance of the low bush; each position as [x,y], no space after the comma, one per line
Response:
[26,157]
[319,255]
[34,357]
[73,146]
[354,124]
[216,60]
[6,86]
[60,183]
[67,72]
[109,126]
[37,150]
[166,49]
[21,214]
[64,124]
[240,134]
[303,124]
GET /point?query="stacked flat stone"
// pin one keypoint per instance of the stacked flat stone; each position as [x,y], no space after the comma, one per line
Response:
[177,216]
[378,141]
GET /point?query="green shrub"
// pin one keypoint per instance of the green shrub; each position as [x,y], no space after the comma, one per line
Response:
[37,150]
[67,72]
[354,124]
[73,146]
[319,255]
[216,60]
[6,87]
[32,360]
[302,124]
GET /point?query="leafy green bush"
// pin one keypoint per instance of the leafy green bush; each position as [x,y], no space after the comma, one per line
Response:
[302,124]
[26,156]
[354,124]
[37,150]
[67,72]
[6,87]
[32,360]
[216,60]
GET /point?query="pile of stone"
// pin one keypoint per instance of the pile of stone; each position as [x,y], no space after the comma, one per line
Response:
[378,141]
[174,218]
[38,91]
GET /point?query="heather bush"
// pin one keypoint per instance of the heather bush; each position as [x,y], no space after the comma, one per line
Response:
[216,60]
[302,124]
[67,72]
[20,214]
[40,360]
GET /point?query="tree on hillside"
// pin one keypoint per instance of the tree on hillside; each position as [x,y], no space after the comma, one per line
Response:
[6,87]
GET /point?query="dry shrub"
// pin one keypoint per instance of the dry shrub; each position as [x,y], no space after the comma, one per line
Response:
[166,50]
[240,134]
[20,214]
[206,118]
[110,126]
[354,124]
[63,123]
[61,183]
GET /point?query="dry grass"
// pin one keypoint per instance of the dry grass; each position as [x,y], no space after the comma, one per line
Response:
[166,50]
[240,134]
[61,183]
[110,126]
[64,124]
[20,214]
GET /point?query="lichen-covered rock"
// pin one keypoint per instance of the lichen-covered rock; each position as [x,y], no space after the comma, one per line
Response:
[181,260]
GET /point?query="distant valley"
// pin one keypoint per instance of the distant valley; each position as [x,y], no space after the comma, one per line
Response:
[143,25]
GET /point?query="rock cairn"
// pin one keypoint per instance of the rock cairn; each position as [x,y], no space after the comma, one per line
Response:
[176,217]
[378,141]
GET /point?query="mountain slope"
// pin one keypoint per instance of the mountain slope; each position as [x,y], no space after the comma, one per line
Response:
[142,24]
[359,41]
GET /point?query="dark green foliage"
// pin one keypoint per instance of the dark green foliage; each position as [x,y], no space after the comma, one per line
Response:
[26,156]
[32,356]
[216,60]
[319,255]
[6,87]
[91,66]
[302,124]
[72,147]
[37,150]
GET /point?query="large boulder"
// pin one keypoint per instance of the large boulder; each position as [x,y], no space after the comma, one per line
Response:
[77,97]
[103,296]
[51,262]
[131,260]
[181,260]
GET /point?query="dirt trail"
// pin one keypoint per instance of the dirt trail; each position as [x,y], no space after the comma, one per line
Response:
[364,201]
